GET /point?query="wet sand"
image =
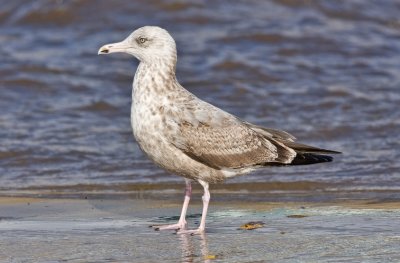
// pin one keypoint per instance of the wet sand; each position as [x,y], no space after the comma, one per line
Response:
[116,230]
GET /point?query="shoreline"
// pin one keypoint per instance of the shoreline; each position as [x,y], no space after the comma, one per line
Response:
[249,205]
[40,229]
[151,190]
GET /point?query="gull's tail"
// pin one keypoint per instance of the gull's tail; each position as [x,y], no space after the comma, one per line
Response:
[309,154]
[284,142]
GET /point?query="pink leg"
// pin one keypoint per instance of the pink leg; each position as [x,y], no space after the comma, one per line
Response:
[206,200]
[182,219]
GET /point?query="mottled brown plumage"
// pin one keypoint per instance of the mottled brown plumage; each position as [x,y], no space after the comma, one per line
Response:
[193,138]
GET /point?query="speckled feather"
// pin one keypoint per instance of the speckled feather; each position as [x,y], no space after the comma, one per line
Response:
[186,135]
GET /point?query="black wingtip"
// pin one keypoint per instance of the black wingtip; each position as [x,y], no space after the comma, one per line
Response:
[333,152]
[304,148]
[309,158]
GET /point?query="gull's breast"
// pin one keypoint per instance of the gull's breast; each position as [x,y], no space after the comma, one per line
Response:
[147,126]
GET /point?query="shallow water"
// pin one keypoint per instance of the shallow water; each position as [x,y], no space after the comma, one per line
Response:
[325,71]
[117,231]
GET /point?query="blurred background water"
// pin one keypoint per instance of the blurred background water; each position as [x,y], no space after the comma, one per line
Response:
[325,71]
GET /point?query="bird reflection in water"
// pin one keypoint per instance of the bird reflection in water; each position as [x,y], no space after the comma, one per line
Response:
[188,248]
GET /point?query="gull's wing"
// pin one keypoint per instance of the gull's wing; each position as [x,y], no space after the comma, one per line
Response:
[220,140]
[288,140]
[272,133]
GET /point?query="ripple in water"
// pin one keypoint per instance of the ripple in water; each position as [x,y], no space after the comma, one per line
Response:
[325,71]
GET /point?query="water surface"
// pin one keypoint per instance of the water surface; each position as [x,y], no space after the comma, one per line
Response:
[325,71]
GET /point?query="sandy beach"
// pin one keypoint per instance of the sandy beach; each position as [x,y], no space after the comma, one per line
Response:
[117,230]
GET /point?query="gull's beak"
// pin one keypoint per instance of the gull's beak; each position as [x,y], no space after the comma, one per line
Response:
[113,48]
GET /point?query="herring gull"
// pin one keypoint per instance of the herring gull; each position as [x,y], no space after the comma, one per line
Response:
[190,137]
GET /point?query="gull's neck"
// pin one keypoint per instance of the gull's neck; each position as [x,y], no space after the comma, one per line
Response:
[155,76]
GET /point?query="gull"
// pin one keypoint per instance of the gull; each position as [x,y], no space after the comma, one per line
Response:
[190,137]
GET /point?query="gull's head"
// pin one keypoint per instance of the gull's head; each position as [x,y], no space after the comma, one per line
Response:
[148,44]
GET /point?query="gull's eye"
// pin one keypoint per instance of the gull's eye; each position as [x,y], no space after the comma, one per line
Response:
[142,40]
